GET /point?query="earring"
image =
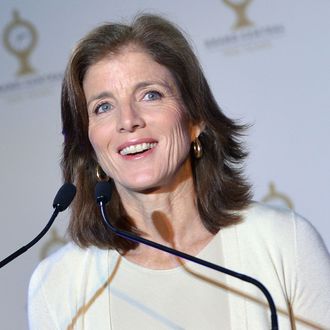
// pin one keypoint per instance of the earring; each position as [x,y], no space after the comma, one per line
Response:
[197,148]
[100,174]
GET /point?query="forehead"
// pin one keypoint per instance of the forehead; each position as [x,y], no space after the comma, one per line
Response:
[128,66]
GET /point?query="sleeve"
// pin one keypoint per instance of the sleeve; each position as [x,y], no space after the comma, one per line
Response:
[311,300]
[39,313]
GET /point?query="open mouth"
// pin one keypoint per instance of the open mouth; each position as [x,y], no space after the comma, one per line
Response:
[137,149]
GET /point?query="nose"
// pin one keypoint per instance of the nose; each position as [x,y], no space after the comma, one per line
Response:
[129,119]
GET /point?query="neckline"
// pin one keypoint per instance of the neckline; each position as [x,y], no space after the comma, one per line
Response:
[216,239]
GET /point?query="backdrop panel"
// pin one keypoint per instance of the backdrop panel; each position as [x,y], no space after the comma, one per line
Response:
[268,65]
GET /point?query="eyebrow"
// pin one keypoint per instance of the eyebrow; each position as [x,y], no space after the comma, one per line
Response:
[99,97]
[147,83]
[142,84]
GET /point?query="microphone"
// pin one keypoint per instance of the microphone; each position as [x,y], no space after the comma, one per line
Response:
[103,191]
[62,200]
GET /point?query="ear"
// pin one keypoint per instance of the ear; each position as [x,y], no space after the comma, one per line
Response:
[196,130]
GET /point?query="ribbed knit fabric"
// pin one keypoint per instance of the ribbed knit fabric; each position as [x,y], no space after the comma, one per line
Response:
[98,289]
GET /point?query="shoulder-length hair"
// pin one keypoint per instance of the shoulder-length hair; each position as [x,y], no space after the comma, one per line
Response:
[221,189]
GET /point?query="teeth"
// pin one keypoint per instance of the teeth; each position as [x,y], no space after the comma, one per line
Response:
[137,148]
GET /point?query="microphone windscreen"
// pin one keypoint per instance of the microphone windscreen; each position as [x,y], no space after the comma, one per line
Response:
[64,196]
[103,191]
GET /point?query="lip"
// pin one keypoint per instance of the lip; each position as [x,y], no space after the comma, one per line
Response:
[135,142]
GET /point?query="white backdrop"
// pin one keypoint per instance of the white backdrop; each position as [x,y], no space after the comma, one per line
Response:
[273,74]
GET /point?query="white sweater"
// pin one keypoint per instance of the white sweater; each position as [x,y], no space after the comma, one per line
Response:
[99,289]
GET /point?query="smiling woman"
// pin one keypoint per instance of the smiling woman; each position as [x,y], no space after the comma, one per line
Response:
[144,122]
[109,81]
[136,104]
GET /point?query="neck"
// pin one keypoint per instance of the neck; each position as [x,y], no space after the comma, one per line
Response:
[168,216]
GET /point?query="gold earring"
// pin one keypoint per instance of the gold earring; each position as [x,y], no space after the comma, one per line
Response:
[197,148]
[100,174]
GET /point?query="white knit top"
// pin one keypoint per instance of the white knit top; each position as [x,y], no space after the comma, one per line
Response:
[98,289]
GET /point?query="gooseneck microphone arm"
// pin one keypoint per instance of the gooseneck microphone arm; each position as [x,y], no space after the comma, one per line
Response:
[103,195]
[62,200]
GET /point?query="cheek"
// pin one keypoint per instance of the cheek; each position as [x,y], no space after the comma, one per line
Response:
[181,129]
[93,137]
[179,139]
[98,136]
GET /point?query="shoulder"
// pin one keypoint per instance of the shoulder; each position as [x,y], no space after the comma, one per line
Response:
[259,213]
[66,258]
[69,262]
[262,218]
[271,226]
[67,275]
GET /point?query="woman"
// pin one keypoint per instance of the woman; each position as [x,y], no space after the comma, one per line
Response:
[137,111]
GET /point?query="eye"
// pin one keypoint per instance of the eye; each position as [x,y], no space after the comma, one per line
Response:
[103,107]
[152,96]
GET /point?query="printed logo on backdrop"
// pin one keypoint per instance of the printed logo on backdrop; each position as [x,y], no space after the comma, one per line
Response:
[245,34]
[20,39]
[240,9]
[276,198]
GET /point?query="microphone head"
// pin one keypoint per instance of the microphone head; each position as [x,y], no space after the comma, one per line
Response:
[64,196]
[103,191]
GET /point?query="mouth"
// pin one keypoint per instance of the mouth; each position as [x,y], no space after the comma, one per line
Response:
[137,148]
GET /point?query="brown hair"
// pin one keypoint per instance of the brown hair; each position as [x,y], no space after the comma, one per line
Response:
[220,186]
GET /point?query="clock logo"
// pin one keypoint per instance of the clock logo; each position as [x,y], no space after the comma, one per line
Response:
[277,198]
[240,7]
[20,38]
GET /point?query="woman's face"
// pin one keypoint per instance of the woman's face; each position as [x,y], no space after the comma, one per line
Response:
[137,121]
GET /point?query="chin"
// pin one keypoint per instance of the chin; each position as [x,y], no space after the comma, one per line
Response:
[142,184]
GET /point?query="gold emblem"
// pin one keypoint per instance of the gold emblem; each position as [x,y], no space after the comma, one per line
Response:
[278,198]
[20,38]
[240,7]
